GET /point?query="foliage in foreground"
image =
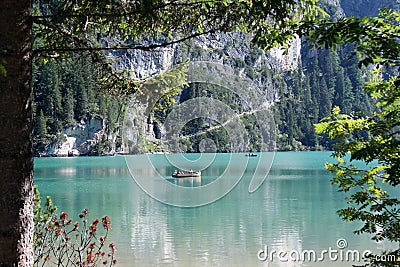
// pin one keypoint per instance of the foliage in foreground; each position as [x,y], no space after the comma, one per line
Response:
[59,241]
[371,200]
[374,140]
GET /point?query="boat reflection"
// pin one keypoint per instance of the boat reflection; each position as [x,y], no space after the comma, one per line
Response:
[194,181]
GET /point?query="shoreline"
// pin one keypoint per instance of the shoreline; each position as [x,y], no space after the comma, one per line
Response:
[169,153]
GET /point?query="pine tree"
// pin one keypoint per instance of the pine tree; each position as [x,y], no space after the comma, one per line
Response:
[68,107]
[40,127]
[325,104]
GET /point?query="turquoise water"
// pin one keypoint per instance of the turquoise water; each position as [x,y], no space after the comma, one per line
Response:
[294,209]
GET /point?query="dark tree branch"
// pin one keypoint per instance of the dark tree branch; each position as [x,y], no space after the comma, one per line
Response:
[113,78]
[88,47]
[65,32]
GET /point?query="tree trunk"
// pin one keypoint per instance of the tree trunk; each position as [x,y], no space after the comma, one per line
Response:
[16,161]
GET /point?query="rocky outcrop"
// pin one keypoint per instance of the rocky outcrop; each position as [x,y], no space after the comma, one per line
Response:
[359,8]
[77,139]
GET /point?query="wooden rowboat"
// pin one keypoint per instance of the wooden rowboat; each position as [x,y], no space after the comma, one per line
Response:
[186,174]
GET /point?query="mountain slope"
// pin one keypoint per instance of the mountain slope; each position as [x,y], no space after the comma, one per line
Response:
[302,87]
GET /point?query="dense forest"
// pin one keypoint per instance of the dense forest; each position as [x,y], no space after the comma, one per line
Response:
[327,79]
[65,95]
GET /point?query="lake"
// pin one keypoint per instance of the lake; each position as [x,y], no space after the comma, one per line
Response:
[293,210]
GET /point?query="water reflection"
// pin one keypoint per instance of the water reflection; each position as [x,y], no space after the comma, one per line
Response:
[188,181]
[294,209]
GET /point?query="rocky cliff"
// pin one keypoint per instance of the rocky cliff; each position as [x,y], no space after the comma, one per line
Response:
[359,8]
[235,57]
[77,139]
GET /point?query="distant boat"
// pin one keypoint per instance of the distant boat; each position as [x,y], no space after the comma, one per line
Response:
[177,174]
[251,155]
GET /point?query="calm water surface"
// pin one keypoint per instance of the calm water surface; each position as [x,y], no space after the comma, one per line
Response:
[294,209]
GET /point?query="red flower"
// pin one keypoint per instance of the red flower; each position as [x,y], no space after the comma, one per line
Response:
[90,258]
[85,212]
[63,215]
[106,222]
[96,221]
[58,231]
[76,226]
[93,228]
[112,247]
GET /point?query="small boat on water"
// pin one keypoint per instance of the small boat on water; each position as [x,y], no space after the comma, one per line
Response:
[181,174]
[251,155]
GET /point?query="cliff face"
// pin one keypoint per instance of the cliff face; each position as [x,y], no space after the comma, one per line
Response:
[230,57]
[359,8]
[227,56]
[78,139]
[219,48]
